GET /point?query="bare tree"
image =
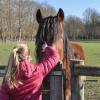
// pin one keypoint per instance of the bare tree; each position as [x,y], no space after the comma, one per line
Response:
[74,26]
[91,18]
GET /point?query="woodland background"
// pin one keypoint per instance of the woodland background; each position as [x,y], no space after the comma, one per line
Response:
[18,22]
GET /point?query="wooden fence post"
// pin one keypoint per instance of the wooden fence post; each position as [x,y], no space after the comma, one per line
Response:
[56,85]
[77,82]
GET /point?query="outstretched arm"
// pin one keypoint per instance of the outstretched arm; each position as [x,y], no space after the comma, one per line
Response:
[50,62]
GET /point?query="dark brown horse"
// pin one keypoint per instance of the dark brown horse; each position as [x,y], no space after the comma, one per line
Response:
[51,31]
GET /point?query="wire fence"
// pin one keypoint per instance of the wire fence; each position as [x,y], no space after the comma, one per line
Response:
[92,88]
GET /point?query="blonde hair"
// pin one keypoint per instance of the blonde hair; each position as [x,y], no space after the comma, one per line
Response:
[19,53]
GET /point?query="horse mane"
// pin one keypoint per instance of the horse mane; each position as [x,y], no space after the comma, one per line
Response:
[68,51]
[46,33]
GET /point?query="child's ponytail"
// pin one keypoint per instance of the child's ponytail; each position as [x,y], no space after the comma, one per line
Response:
[12,69]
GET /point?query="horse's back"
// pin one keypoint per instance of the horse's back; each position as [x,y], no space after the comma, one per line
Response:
[78,51]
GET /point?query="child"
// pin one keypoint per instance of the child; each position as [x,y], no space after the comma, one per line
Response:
[23,80]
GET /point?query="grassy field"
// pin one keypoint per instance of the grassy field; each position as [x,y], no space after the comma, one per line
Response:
[5,49]
[92,52]
[92,55]
[91,49]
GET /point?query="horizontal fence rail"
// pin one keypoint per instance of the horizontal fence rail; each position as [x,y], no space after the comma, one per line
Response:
[87,70]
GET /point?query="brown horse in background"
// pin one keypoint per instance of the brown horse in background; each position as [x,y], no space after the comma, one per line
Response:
[51,31]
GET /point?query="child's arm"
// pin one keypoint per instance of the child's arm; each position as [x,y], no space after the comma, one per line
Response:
[4,95]
[47,65]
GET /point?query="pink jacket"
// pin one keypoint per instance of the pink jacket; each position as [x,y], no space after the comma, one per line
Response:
[32,76]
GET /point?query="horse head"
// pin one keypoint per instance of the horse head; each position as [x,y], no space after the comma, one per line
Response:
[50,30]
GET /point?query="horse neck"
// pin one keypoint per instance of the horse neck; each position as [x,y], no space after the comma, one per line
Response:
[59,48]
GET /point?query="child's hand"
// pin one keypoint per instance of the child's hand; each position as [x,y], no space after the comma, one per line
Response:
[53,46]
[44,46]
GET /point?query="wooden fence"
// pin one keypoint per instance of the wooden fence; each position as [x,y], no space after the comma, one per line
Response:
[78,72]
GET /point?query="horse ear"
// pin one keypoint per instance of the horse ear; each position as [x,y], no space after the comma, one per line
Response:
[38,16]
[60,15]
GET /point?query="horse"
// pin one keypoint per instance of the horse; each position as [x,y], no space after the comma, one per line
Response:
[51,31]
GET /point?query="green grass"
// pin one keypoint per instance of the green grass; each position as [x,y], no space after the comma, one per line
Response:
[91,49]
[92,52]
[5,49]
